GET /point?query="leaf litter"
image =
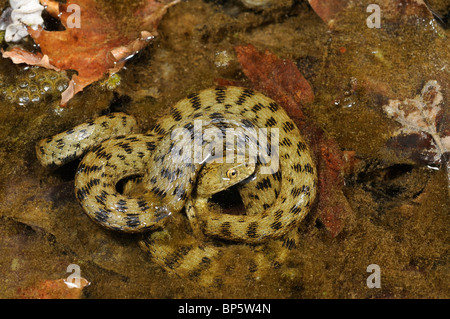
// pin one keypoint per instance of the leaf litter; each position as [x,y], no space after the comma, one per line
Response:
[94,47]
[421,116]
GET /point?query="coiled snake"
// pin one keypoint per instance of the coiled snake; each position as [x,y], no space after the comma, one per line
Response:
[179,164]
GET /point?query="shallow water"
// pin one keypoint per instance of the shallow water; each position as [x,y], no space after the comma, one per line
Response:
[400,219]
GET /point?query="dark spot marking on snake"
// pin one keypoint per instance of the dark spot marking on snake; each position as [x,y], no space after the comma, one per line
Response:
[251,230]
[132,139]
[194,99]
[126,147]
[308,168]
[271,122]
[60,144]
[92,182]
[104,124]
[276,265]
[288,126]
[120,137]
[273,107]
[132,220]
[159,192]
[264,184]
[225,229]
[153,180]
[102,215]
[171,145]
[205,261]
[100,199]
[100,153]
[286,142]
[159,130]
[289,243]
[266,206]
[301,147]
[277,176]
[216,117]
[160,213]
[68,132]
[180,193]
[121,206]
[82,194]
[220,94]
[202,265]
[190,128]
[252,267]
[150,146]
[83,168]
[247,123]
[296,209]
[276,193]
[176,114]
[306,190]
[278,214]
[168,174]
[296,191]
[172,260]
[297,167]
[244,95]
[257,107]
[142,204]
[276,225]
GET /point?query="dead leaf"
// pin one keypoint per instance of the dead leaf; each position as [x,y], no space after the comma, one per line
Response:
[54,289]
[98,47]
[420,119]
[282,81]
[327,10]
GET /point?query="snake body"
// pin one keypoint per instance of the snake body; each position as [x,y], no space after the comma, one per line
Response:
[276,200]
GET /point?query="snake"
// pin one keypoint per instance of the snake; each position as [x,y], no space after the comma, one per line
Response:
[180,166]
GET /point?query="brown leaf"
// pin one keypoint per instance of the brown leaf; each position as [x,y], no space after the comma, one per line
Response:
[282,81]
[98,47]
[327,10]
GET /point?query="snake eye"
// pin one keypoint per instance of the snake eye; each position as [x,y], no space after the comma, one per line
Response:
[232,173]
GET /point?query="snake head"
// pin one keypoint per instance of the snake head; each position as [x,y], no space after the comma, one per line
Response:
[216,177]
